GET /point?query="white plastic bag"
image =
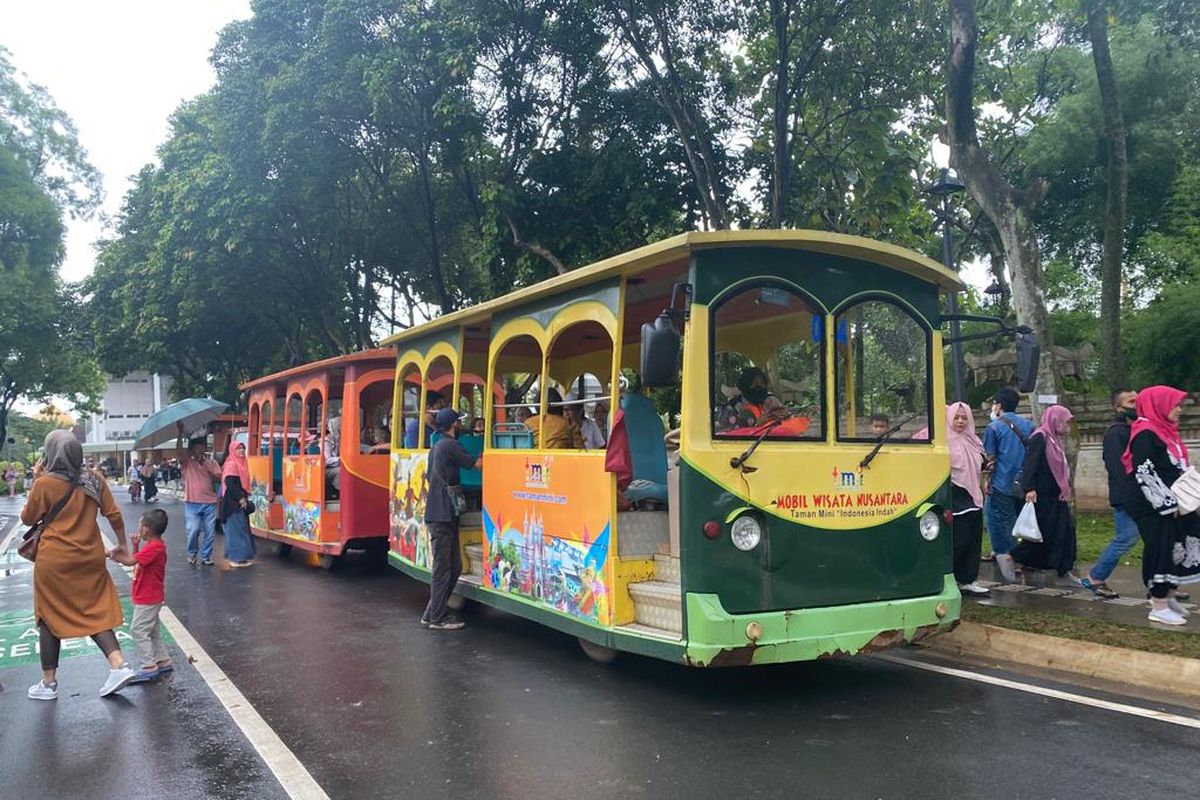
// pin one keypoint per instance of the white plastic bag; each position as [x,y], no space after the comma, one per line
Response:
[1026,526]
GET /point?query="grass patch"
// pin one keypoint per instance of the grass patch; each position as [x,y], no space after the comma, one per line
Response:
[1093,532]
[1064,626]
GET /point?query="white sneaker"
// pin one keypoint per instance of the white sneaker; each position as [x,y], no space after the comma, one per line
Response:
[1166,616]
[1175,606]
[1007,567]
[40,691]
[973,588]
[118,679]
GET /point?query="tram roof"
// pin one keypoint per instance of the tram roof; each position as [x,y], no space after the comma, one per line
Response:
[676,247]
[378,354]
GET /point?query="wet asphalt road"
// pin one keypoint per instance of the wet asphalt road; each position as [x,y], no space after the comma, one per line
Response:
[376,707]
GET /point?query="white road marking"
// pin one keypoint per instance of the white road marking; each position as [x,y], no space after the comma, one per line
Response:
[287,769]
[291,774]
[1108,705]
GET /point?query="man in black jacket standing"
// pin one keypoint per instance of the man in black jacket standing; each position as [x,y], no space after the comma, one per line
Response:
[1116,440]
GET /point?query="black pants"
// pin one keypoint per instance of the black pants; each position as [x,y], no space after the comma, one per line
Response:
[446,567]
[968,541]
[50,645]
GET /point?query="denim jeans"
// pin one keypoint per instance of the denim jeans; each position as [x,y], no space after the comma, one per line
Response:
[1124,538]
[200,517]
[1000,511]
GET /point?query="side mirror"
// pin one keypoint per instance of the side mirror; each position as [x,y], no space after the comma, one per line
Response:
[661,346]
[1029,353]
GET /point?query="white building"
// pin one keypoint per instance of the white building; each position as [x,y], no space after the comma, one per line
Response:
[128,402]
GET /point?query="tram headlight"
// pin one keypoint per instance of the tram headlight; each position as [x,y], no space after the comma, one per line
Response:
[746,532]
[929,525]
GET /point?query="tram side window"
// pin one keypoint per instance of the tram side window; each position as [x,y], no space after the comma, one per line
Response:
[375,415]
[767,373]
[882,356]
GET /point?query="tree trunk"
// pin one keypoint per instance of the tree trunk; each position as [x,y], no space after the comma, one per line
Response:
[1116,195]
[780,139]
[1007,208]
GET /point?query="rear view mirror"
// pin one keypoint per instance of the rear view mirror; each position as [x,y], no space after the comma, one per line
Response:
[660,352]
[1029,353]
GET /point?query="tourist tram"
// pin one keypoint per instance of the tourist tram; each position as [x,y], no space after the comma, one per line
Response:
[801,508]
[310,492]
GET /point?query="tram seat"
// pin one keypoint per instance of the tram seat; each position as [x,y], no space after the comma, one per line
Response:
[512,436]
[472,479]
[646,450]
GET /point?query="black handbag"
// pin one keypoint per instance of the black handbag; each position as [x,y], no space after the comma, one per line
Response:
[30,540]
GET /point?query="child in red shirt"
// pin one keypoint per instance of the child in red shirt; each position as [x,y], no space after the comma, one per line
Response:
[149,562]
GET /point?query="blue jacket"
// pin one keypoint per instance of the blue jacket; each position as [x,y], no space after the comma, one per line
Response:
[1006,449]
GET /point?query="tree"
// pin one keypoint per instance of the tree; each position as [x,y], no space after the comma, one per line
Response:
[1117,191]
[43,138]
[1009,208]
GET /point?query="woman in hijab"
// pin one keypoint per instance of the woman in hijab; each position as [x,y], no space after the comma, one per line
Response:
[1156,458]
[1046,481]
[235,480]
[73,594]
[966,495]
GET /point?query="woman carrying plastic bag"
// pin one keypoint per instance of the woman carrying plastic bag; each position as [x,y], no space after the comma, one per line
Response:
[1046,479]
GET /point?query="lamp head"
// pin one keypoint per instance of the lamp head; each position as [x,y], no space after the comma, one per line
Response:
[945,185]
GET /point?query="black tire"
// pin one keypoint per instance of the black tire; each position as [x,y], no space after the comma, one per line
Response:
[330,562]
[598,652]
[280,549]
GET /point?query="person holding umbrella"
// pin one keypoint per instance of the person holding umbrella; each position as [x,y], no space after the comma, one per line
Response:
[199,499]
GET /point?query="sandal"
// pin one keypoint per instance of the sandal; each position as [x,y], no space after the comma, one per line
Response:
[1098,588]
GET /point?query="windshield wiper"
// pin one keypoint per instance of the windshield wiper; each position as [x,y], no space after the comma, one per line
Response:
[744,457]
[883,439]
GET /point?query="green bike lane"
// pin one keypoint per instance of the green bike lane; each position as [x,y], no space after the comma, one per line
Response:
[171,738]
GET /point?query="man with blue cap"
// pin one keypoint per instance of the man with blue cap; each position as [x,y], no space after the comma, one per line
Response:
[444,504]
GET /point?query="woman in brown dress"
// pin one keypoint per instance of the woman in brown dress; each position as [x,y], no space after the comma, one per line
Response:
[73,594]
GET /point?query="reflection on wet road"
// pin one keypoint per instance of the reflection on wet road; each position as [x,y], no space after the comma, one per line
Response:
[376,707]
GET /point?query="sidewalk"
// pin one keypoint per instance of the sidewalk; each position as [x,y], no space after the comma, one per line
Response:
[1045,591]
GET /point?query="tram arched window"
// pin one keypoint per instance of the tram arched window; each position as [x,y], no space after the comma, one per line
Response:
[255,429]
[314,410]
[266,428]
[409,428]
[375,414]
[518,368]
[294,425]
[882,354]
[767,365]
[439,394]
[579,356]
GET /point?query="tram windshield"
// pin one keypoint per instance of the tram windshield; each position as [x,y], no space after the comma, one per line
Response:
[767,365]
[882,373]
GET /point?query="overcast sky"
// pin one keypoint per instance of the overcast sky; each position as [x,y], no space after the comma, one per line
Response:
[118,68]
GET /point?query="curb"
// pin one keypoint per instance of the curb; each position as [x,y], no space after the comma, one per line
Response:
[1146,670]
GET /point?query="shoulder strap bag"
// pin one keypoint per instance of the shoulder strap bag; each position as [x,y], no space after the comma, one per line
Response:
[29,541]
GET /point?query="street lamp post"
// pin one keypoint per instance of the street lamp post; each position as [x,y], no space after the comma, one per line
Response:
[944,187]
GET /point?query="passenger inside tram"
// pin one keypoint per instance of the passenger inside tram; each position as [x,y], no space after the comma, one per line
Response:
[332,453]
[585,433]
[553,432]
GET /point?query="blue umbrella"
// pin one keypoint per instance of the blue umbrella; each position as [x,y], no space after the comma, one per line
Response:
[192,414]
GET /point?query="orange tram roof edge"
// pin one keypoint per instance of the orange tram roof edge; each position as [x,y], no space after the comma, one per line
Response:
[377,354]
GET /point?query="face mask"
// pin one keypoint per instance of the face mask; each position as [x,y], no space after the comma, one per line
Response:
[757,395]
[995,414]
[1130,413]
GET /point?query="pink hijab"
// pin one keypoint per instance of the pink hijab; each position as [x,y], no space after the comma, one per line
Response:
[1154,403]
[966,453]
[1054,427]
[236,466]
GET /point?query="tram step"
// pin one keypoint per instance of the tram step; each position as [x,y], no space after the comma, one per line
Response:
[474,559]
[649,630]
[657,604]
[666,568]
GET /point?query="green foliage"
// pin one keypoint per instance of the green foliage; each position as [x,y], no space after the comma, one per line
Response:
[1163,339]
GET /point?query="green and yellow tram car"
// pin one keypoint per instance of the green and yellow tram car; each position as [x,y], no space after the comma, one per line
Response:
[799,508]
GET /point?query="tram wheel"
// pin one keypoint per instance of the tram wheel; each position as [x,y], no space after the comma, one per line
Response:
[330,562]
[598,652]
[280,549]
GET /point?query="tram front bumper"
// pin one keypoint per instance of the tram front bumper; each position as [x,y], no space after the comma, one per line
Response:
[717,638]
